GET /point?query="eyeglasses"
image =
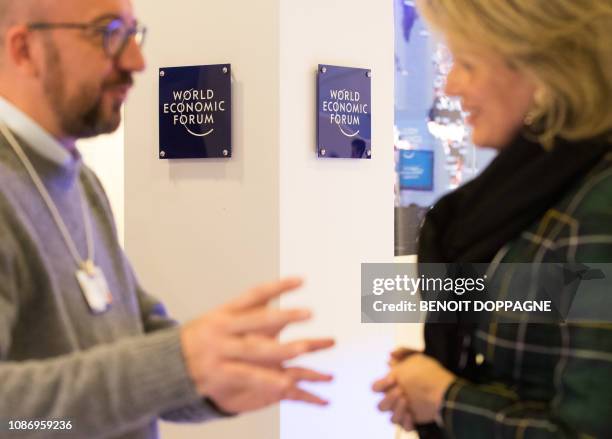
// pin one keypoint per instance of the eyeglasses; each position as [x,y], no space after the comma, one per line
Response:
[115,33]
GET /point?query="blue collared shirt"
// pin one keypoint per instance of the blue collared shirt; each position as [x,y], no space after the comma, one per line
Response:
[33,134]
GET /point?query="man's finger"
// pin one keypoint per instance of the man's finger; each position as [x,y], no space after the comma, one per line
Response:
[384,384]
[305,346]
[266,320]
[241,387]
[253,374]
[297,394]
[261,295]
[269,352]
[301,374]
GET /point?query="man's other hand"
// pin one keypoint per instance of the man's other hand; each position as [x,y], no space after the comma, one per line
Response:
[234,357]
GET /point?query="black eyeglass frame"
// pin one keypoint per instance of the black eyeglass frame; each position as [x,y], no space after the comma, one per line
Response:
[106,30]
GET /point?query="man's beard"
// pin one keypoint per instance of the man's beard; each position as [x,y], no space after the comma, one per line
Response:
[82,115]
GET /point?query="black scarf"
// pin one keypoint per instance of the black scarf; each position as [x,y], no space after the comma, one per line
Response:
[472,223]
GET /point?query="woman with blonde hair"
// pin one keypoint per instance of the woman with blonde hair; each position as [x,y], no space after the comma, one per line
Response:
[535,77]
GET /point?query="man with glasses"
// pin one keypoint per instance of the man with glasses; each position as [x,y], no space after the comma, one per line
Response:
[84,351]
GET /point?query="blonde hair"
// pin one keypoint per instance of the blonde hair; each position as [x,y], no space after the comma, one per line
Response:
[566,45]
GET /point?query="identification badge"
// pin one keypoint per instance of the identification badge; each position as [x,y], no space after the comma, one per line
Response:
[95,289]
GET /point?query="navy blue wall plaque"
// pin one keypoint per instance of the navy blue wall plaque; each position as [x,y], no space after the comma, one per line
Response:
[195,112]
[344,119]
[416,169]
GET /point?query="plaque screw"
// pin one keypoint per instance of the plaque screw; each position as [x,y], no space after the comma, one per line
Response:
[162,73]
[323,69]
[369,74]
[162,153]
[323,152]
[225,70]
[225,152]
[369,153]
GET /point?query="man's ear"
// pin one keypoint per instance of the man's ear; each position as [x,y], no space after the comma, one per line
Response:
[20,51]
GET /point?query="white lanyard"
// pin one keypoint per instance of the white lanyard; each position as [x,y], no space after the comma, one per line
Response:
[86,265]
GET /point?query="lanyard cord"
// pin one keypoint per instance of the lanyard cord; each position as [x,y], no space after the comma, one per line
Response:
[87,264]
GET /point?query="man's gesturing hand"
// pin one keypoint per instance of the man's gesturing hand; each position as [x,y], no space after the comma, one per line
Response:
[235,359]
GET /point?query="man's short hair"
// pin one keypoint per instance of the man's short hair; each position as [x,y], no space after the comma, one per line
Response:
[13,10]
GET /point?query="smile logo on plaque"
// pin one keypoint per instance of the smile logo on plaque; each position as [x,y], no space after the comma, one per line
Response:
[195,112]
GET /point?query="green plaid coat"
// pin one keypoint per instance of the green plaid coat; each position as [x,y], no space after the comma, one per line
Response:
[539,380]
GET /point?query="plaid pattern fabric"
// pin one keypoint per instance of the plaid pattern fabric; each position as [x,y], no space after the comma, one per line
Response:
[544,380]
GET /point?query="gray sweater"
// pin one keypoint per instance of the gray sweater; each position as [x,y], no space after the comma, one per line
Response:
[111,375]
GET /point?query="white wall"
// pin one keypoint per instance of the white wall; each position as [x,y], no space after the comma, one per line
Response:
[336,214]
[200,231]
[104,154]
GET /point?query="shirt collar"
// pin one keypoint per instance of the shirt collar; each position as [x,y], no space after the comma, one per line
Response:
[35,136]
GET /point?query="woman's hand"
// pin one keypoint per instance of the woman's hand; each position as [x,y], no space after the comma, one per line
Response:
[424,383]
[414,389]
[394,401]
